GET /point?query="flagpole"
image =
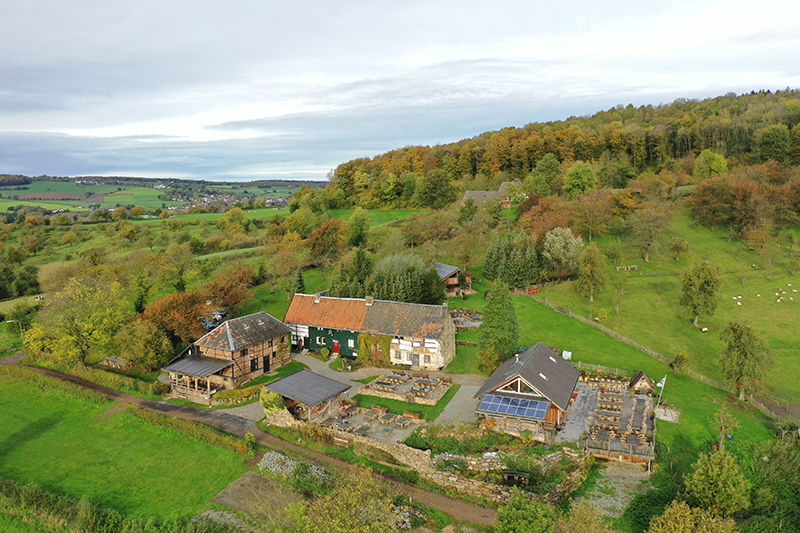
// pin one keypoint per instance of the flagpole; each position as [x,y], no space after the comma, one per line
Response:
[662,390]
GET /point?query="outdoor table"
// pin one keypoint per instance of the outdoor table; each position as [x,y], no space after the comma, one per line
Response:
[372,414]
[402,422]
[387,386]
[426,382]
[351,410]
[420,391]
[396,377]
[388,418]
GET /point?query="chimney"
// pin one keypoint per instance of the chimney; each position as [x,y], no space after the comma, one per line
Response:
[317,298]
[369,300]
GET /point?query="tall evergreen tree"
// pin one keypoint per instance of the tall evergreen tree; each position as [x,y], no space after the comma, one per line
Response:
[298,283]
[498,334]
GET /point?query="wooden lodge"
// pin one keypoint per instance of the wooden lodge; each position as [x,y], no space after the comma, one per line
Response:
[235,352]
[530,391]
[449,275]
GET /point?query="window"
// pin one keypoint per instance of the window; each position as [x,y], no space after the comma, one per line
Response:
[351,343]
[320,340]
[244,352]
[253,365]
[269,344]
[427,358]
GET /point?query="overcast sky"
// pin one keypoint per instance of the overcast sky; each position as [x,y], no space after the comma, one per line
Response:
[262,89]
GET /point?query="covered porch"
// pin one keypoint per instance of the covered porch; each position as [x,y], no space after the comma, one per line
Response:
[197,378]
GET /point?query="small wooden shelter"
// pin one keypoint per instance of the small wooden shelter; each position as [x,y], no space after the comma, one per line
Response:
[641,384]
[308,395]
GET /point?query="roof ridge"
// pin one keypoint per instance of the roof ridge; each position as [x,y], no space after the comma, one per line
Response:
[230,338]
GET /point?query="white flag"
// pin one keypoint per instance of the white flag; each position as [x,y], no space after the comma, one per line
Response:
[661,383]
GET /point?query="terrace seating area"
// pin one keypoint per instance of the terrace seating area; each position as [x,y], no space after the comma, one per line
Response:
[375,423]
[408,388]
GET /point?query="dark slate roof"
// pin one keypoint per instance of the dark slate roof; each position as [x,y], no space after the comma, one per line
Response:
[506,187]
[307,387]
[406,320]
[543,369]
[639,377]
[244,331]
[481,197]
[198,366]
[445,271]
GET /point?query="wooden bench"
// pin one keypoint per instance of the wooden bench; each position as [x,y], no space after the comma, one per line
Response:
[415,416]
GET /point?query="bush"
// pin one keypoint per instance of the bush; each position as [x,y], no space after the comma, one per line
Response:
[239,394]
[271,402]
[325,352]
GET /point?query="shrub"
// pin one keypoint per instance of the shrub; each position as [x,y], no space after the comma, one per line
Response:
[272,402]
[325,352]
[239,394]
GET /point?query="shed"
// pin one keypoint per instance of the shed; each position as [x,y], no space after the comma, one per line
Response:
[641,383]
[308,395]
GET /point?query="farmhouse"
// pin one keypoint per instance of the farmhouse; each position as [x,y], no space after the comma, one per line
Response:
[235,352]
[309,396]
[449,275]
[508,191]
[418,336]
[529,391]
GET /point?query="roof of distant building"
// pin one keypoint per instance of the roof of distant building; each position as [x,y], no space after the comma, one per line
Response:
[244,331]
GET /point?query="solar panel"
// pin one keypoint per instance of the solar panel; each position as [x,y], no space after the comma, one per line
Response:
[514,406]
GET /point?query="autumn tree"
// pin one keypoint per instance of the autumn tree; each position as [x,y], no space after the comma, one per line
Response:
[647,228]
[700,288]
[144,344]
[582,517]
[80,319]
[592,274]
[230,288]
[678,517]
[178,314]
[592,214]
[498,334]
[711,201]
[718,484]
[521,514]
[561,253]
[234,221]
[355,505]
[678,246]
[726,422]
[709,164]
[746,358]
[327,243]
[550,213]
[138,212]
[178,266]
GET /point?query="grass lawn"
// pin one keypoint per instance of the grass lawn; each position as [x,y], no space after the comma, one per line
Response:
[379,217]
[653,299]
[110,457]
[10,342]
[282,372]
[276,303]
[429,412]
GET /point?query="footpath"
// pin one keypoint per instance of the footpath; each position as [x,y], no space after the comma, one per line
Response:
[459,509]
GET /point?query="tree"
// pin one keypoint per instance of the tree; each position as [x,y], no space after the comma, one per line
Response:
[138,212]
[178,314]
[523,515]
[144,344]
[178,266]
[678,246]
[327,243]
[711,201]
[718,485]
[82,318]
[234,221]
[550,213]
[647,228]
[581,518]
[592,213]
[359,227]
[561,253]
[725,421]
[68,238]
[467,212]
[746,358]
[680,518]
[498,334]
[298,283]
[16,254]
[709,164]
[230,288]
[403,277]
[580,178]
[775,143]
[354,272]
[355,505]
[700,289]
[592,274]
[542,181]
[435,190]
[271,401]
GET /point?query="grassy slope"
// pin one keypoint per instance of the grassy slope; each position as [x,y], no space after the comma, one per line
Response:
[696,401]
[656,319]
[114,460]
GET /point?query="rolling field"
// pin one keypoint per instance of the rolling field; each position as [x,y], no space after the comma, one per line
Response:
[70,195]
[106,455]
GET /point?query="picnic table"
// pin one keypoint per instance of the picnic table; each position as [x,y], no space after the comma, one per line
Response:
[420,391]
[351,410]
[362,430]
[372,414]
[395,378]
[388,418]
[388,386]
[402,422]
[425,382]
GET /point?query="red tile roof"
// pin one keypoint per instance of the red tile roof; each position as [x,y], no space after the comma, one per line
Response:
[339,313]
